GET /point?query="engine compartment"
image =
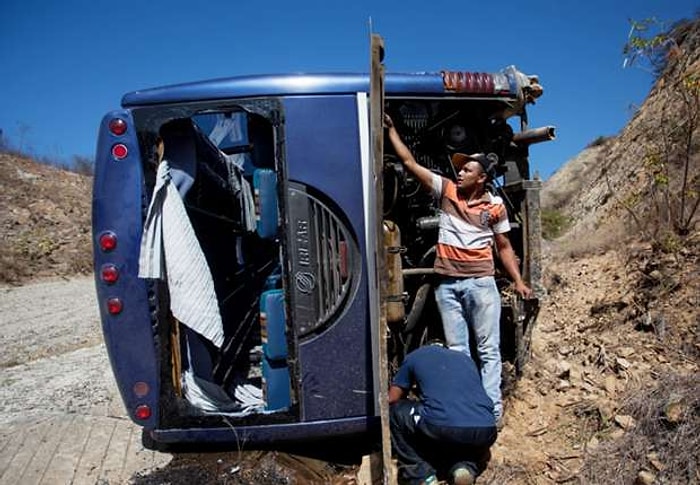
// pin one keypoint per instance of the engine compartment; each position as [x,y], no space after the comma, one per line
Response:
[434,131]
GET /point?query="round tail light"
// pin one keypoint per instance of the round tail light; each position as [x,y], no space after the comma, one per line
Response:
[108,241]
[117,126]
[110,274]
[141,389]
[142,412]
[119,151]
[114,306]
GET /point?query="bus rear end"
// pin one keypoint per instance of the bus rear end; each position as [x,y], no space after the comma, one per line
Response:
[272,194]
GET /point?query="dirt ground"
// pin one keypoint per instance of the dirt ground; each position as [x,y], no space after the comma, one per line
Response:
[55,364]
[587,354]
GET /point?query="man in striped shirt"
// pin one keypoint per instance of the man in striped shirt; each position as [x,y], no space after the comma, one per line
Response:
[472,220]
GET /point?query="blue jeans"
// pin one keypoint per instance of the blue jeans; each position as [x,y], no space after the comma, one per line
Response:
[475,303]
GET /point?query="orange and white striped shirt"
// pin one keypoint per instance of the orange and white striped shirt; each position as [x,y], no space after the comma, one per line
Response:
[466,231]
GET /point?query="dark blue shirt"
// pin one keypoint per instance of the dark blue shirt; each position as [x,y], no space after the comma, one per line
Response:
[449,386]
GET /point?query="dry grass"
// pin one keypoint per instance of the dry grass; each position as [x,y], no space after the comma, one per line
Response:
[664,442]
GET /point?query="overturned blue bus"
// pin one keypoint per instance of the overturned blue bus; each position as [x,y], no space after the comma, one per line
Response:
[261,262]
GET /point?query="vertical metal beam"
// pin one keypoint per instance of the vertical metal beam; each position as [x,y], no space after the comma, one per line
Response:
[525,312]
[532,235]
[377,137]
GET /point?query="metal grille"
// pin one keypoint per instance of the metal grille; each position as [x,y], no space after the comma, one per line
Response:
[323,257]
[330,240]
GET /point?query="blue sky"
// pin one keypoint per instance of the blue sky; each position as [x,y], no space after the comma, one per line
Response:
[64,64]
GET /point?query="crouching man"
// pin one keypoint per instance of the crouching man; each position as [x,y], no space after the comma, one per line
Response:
[451,427]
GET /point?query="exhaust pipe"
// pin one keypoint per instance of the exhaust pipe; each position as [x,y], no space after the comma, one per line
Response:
[535,135]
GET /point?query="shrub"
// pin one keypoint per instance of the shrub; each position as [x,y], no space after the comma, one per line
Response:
[601,140]
[554,223]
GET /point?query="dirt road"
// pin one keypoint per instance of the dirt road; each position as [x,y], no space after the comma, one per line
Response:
[61,418]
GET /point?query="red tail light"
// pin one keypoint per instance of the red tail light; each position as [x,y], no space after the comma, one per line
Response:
[108,241]
[117,126]
[119,151]
[114,306]
[110,274]
[141,389]
[142,412]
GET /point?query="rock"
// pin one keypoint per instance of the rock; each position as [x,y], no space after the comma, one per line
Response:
[625,351]
[371,469]
[655,462]
[622,364]
[562,385]
[563,369]
[624,421]
[610,384]
[565,350]
[675,409]
[617,433]
[645,478]
[592,444]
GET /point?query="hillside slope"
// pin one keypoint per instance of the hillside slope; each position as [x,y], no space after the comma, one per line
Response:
[45,221]
[612,393]
[600,188]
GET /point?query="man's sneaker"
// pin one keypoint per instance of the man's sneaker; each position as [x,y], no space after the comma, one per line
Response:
[462,476]
[499,424]
[431,480]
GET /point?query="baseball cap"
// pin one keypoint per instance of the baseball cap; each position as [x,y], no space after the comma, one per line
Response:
[488,162]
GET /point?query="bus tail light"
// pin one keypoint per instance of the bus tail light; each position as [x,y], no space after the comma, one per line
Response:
[114,306]
[142,412]
[119,151]
[141,389]
[109,274]
[117,126]
[108,241]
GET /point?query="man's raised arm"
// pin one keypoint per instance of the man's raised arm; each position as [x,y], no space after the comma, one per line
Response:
[424,176]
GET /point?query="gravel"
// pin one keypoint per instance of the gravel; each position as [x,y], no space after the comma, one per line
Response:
[53,359]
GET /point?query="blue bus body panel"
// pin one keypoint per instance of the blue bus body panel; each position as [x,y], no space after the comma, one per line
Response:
[117,207]
[323,152]
[285,85]
[272,434]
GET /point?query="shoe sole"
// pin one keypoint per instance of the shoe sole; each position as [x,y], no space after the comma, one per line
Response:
[465,478]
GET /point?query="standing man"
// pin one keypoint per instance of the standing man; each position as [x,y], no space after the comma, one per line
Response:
[472,220]
[451,427]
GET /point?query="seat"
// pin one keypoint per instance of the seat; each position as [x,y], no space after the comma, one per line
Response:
[265,194]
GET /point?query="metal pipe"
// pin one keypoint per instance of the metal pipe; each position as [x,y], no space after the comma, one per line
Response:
[417,271]
[535,135]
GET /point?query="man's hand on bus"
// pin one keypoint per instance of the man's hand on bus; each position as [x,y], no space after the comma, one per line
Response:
[523,290]
[388,122]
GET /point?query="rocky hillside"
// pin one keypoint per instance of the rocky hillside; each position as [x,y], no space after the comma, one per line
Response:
[606,183]
[45,221]
[612,394]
